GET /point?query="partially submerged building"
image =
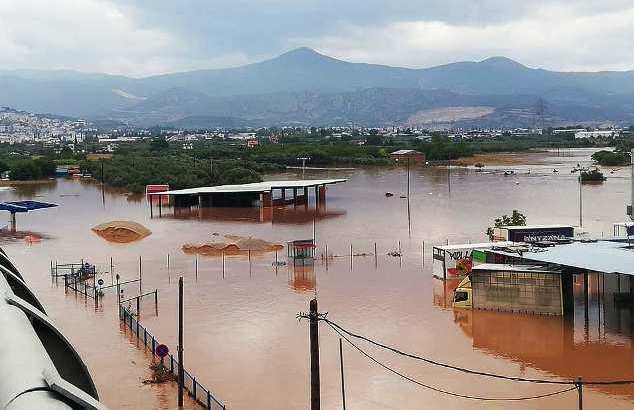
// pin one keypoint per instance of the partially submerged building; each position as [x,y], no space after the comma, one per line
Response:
[540,277]
[259,194]
[408,155]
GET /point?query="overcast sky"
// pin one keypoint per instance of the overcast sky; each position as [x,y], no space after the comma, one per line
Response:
[144,37]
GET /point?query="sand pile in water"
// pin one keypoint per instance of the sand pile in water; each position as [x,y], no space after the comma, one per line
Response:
[121,231]
[231,245]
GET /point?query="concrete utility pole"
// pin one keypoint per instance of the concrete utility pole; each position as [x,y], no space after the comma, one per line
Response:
[181,373]
[314,356]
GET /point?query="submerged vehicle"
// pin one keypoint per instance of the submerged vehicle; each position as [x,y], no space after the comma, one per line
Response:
[463,295]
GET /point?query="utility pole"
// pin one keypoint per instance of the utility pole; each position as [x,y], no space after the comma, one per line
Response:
[449,174]
[580,202]
[343,384]
[579,384]
[181,373]
[303,164]
[407,177]
[314,356]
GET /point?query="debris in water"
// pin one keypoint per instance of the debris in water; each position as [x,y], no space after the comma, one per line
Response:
[389,194]
[121,231]
[160,374]
[395,254]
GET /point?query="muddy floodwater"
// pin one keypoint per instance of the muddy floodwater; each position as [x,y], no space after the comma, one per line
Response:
[242,336]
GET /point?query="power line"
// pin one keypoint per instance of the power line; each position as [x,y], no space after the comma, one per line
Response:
[443,391]
[339,329]
[441,364]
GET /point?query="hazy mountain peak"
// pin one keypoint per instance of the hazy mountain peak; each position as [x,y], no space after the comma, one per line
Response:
[501,61]
[302,55]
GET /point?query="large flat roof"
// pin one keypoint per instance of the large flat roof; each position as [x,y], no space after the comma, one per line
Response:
[482,245]
[253,187]
[529,227]
[599,256]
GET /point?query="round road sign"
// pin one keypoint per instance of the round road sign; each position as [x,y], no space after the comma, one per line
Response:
[100,282]
[161,351]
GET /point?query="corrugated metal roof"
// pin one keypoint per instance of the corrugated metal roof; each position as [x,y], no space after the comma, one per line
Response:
[513,268]
[253,187]
[522,227]
[600,256]
[483,245]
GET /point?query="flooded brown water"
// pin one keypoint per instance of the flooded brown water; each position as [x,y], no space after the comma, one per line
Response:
[242,338]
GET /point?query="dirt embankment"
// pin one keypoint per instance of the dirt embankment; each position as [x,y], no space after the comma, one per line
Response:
[231,245]
[121,231]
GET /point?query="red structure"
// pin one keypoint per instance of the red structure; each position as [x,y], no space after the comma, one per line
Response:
[163,199]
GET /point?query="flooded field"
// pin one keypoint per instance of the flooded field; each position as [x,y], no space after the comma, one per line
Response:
[242,337]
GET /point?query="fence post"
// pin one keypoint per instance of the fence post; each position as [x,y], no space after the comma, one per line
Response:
[156,301]
[172,363]
[375,256]
[118,291]
[208,400]
[197,266]
[138,306]
[140,276]
[351,257]
[153,346]
[194,387]
[145,337]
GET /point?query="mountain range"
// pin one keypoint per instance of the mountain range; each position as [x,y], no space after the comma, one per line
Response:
[304,87]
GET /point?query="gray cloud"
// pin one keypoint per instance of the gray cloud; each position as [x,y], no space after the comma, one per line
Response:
[154,36]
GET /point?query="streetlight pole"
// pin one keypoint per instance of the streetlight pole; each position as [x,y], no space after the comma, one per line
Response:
[449,173]
[303,159]
[409,217]
[580,202]
[408,177]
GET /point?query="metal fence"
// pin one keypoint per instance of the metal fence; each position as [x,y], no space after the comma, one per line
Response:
[196,391]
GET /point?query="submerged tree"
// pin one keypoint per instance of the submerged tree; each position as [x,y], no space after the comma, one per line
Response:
[516,219]
[593,175]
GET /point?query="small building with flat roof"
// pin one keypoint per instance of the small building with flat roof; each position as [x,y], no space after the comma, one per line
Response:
[408,154]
